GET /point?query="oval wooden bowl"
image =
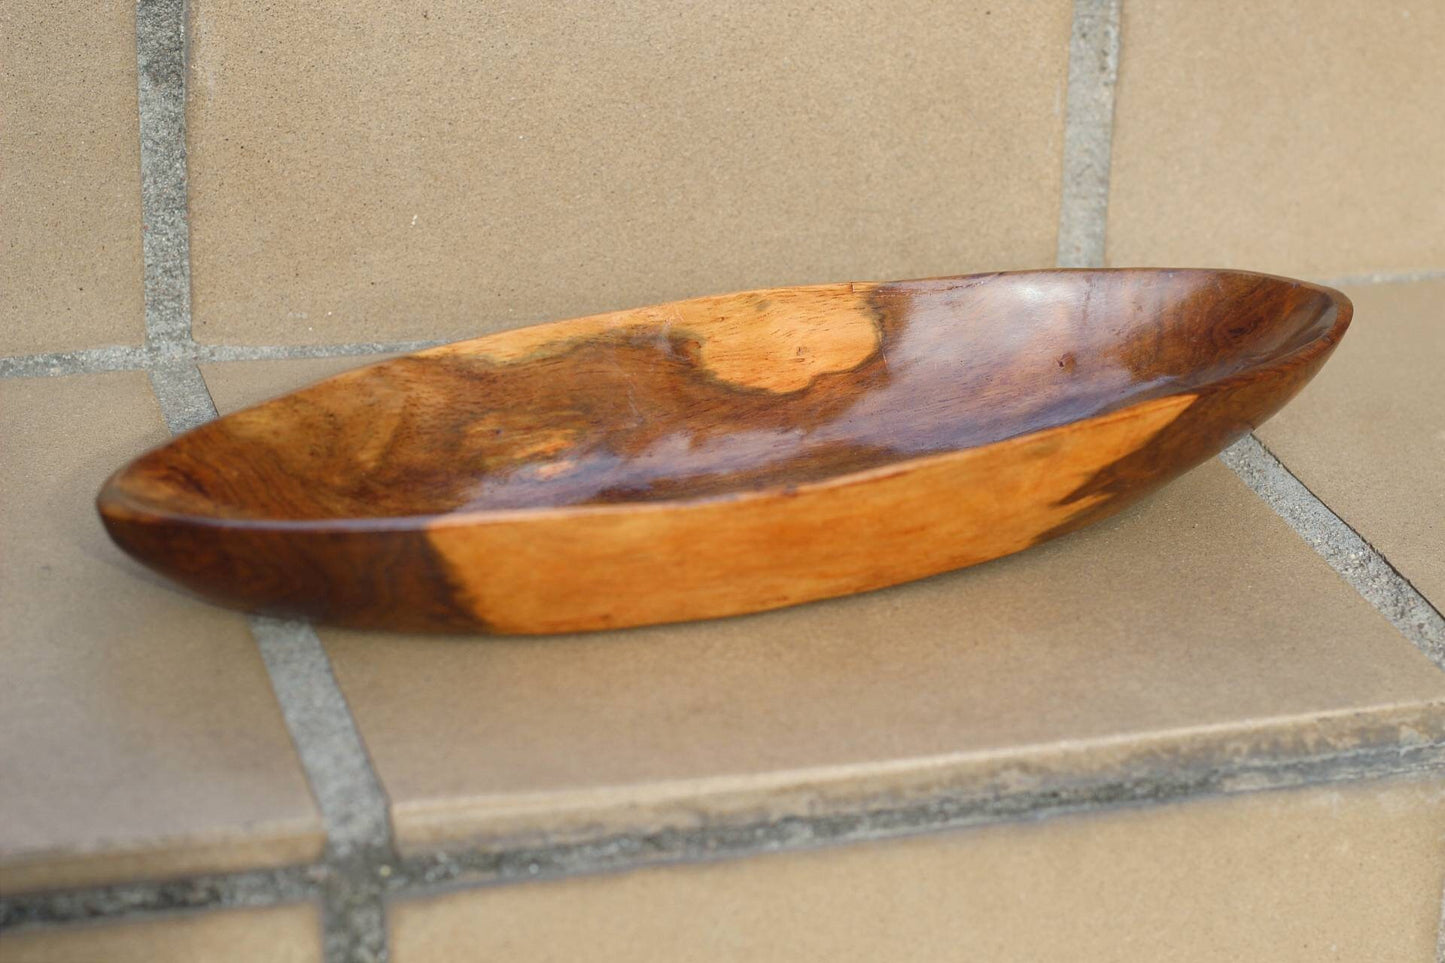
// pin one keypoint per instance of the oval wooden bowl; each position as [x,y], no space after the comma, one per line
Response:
[720,455]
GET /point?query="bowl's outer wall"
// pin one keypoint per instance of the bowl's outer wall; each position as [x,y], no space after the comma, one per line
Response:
[594,567]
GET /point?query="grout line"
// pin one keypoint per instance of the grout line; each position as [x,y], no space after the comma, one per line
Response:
[445,869]
[1172,780]
[138,358]
[127,358]
[135,358]
[244,890]
[1088,133]
[1440,934]
[236,352]
[183,397]
[347,791]
[160,27]
[1386,277]
[331,750]
[353,805]
[84,361]
[1340,545]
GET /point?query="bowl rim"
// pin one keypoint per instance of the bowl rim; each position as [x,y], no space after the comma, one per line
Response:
[116,505]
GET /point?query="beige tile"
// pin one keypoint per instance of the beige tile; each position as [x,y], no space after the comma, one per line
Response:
[1368,435]
[71,273]
[281,934]
[1338,874]
[139,736]
[1299,137]
[449,168]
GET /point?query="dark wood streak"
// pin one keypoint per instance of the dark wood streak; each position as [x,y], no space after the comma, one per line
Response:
[341,501]
[339,576]
[1230,407]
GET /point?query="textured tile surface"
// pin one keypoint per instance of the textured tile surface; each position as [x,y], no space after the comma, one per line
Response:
[1299,137]
[138,733]
[70,236]
[450,168]
[282,934]
[1368,434]
[1339,874]
[1198,609]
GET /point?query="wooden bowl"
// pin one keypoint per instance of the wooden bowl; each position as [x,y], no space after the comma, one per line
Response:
[720,455]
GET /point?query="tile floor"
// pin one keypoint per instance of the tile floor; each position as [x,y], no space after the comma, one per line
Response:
[1180,734]
[1195,634]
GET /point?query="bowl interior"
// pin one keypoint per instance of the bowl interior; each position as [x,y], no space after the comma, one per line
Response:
[725,395]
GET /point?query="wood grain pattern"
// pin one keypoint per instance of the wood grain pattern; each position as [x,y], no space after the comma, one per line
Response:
[721,455]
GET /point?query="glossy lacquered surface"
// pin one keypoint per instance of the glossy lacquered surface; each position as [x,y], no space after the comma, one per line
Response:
[720,455]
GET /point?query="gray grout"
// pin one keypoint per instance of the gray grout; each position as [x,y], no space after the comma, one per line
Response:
[83,361]
[346,787]
[161,68]
[1340,545]
[1440,933]
[1088,133]
[127,358]
[136,358]
[1386,277]
[352,803]
[183,397]
[222,352]
[1177,780]
[242,890]
[989,803]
